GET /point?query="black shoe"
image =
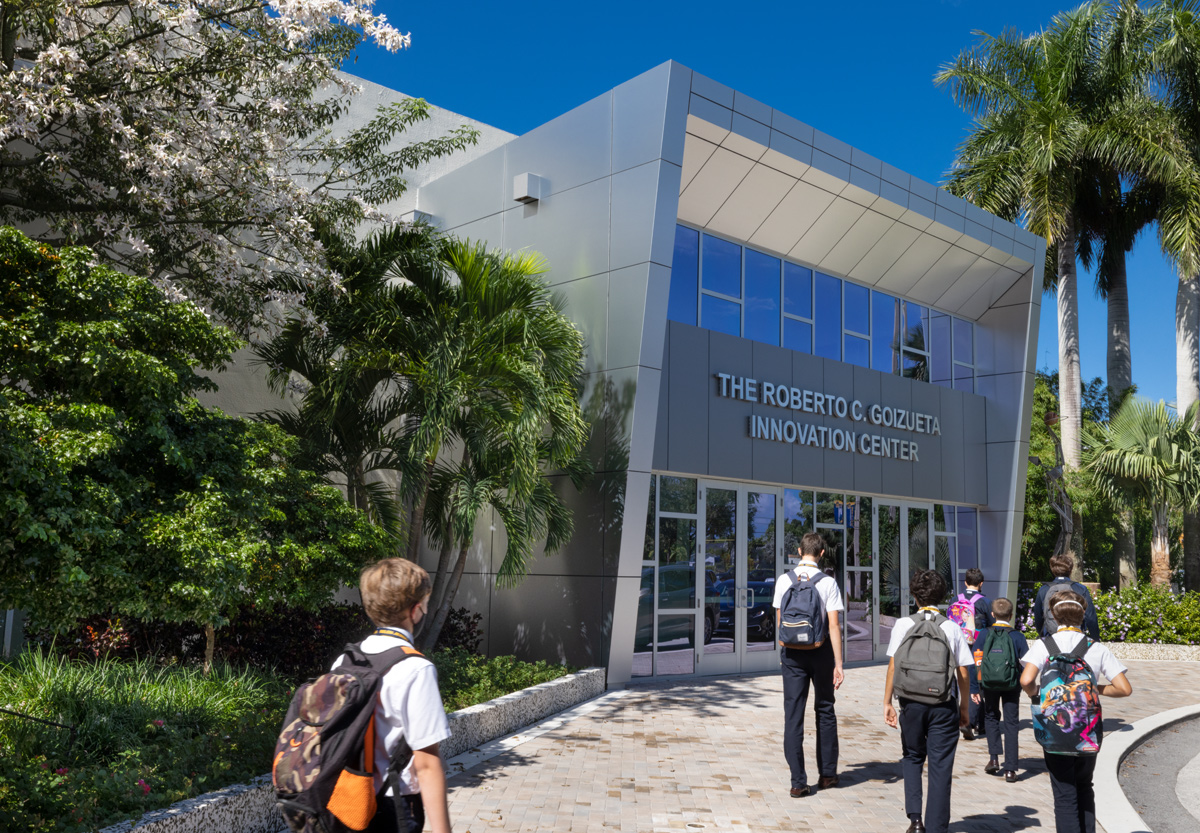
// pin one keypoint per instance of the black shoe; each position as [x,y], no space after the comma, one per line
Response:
[827,781]
[993,766]
[968,733]
[917,826]
[1010,776]
[801,792]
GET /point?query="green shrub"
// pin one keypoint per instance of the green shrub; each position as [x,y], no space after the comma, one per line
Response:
[1149,613]
[147,736]
[468,679]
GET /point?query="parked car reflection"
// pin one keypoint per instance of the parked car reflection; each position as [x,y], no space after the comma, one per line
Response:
[760,612]
[677,591]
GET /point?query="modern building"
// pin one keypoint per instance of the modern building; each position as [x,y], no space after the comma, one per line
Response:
[784,334]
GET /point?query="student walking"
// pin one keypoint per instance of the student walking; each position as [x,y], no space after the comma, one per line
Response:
[1043,619]
[1060,676]
[997,687]
[972,612]
[808,607]
[927,672]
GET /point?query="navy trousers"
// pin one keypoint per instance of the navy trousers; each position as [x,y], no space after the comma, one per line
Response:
[994,704]
[799,669]
[929,732]
[1074,797]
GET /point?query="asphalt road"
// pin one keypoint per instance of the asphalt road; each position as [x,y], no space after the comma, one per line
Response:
[1161,778]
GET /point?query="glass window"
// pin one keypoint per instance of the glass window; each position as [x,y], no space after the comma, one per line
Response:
[964,341]
[828,319]
[832,563]
[858,351]
[676,645]
[830,508]
[677,494]
[939,354]
[943,563]
[797,520]
[885,338]
[797,335]
[720,532]
[721,315]
[762,297]
[676,584]
[648,551]
[644,636]
[943,518]
[858,309]
[722,266]
[797,290]
[858,545]
[681,305]
[916,366]
[968,551]
[916,327]
[964,378]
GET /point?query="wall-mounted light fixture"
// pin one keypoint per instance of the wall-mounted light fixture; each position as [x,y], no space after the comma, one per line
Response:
[528,187]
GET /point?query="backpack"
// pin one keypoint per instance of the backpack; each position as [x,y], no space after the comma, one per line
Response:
[924,664]
[1049,623]
[325,756]
[962,613]
[1067,720]
[999,670]
[803,623]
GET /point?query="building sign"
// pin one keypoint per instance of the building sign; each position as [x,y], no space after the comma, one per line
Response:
[800,400]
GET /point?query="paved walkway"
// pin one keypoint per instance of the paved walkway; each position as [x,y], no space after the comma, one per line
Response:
[705,755]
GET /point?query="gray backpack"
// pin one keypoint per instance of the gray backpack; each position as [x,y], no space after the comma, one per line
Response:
[924,663]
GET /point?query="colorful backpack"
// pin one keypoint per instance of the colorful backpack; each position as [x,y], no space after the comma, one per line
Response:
[999,669]
[803,622]
[325,757]
[1067,719]
[962,613]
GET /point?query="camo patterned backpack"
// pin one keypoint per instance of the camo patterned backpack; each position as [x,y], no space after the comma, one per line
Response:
[324,764]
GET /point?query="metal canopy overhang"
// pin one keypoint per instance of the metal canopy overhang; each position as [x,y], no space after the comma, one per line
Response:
[785,198]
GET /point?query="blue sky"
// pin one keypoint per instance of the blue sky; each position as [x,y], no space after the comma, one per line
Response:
[861,72]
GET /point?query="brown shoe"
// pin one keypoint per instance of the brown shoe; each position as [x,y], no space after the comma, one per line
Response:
[1010,776]
[827,781]
[801,792]
[916,827]
[993,766]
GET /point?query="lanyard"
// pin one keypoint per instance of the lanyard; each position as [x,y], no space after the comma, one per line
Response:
[1069,628]
[931,609]
[392,632]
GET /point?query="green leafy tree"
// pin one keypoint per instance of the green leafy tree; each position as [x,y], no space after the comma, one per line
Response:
[118,491]
[1148,454]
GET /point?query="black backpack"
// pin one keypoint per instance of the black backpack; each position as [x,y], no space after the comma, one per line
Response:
[324,763]
[1049,623]
[924,664]
[802,619]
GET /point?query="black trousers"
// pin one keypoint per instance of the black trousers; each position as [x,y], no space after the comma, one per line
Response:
[799,669]
[1008,702]
[1074,798]
[976,713]
[386,820]
[929,732]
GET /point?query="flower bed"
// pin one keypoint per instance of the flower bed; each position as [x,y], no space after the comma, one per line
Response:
[1147,614]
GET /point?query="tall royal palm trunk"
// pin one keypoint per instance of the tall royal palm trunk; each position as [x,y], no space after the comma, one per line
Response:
[1120,379]
[1187,391]
[1069,379]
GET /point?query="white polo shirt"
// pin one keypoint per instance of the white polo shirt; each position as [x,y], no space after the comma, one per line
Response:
[959,648]
[410,706]
[1098,656]
[831,596]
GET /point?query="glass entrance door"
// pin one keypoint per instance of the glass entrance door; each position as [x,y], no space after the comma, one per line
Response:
[742,554]
[902,546]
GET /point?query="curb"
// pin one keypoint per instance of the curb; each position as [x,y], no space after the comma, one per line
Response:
[1113,810]
[250,808]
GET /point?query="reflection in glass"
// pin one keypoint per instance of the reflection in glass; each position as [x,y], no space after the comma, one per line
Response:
[676,648]
[833,562]
[760,571]
[916,327]
[676,585]
[676,541]
[762,297]
[797,520]
[858,545]
[722,267]
[858,309]
[964,341]
[648,549]
[916,366]
[858,351]
[888,520]
[797,290]
[943,517]
[885,338]
[678,494]
[943,562]
[721,315]
[964,378]
[968,549]
[858,619]
[643,665]
[720,533]
[918,540]
[797,335]
[681,305]
[939,356]
[831,508]
[828,317]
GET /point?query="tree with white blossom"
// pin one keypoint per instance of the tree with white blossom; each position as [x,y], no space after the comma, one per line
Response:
[191,141]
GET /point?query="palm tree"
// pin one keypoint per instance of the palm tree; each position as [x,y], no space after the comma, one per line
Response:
[1051,117]
[1147,454]
[486,369]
